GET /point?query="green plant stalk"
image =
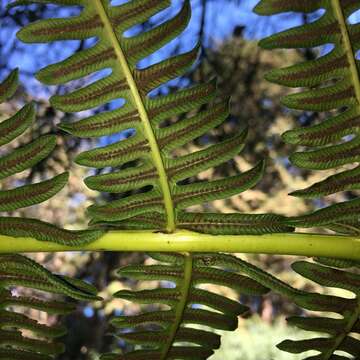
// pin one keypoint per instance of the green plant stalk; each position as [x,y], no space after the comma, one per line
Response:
[336,4]
[353,320]
[181,306]
[346,247]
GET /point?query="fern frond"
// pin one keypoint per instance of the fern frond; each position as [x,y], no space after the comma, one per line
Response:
[173,331]
[20,159]
[331,82]
[341,333]
[152,172]
[341,330]
[20,336]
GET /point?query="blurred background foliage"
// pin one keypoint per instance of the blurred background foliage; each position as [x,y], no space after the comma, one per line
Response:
[228,32]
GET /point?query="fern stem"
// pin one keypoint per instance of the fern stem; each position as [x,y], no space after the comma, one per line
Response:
[346,247]
[336,5]
[354,318]
[149,133]
[186,283]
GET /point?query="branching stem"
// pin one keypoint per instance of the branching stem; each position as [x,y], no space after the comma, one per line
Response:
[346,247]
[181,306]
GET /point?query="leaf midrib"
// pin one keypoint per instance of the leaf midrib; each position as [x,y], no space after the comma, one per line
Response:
[149,133]
[341,337]
[181,306]
[355,76]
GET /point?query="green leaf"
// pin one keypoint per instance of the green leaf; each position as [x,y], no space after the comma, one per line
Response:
[9,86]
[233,224]
[14,126]
[42,231]
[26,156]
[149,183]
[28,195]
[340,213]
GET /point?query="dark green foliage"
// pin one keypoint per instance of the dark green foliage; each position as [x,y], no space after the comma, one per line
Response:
[20,159]
[226,270]
[236,224]
[341,333]
[334,85]
[158,200]
[24,157]
[156,188]
[169,333]
[40,230]
[38,342]
[20,336]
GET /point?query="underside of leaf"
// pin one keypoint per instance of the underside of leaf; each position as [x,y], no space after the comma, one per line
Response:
[144,172]
[330,83]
